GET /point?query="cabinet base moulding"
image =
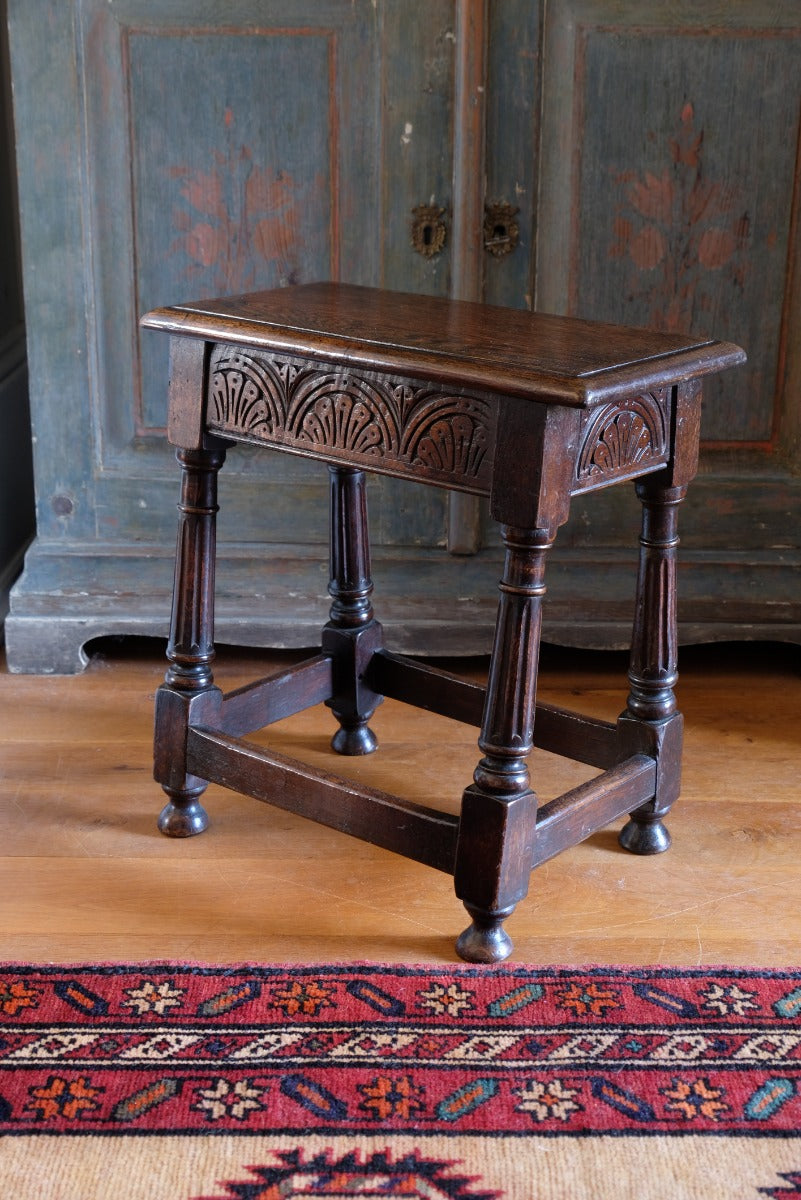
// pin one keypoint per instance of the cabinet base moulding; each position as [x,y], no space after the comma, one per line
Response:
[429,602]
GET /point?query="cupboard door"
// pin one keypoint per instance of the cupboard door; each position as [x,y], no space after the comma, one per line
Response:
[669,190]
[184,149]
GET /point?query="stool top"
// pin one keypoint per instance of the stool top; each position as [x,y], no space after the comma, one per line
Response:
[561,360]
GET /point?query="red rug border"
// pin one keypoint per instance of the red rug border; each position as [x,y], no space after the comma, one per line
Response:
[506,972]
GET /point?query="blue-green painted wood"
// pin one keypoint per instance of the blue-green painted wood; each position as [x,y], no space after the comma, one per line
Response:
[51,195]
[514,81]
[668,195]
[685,197]
[168,147]
[16,472]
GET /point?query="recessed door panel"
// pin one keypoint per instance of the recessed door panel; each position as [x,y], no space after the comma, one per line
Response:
[684,197]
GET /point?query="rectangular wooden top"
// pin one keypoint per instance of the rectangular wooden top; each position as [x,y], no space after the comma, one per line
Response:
[554,359]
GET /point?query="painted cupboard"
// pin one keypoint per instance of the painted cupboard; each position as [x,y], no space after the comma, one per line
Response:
[632,162]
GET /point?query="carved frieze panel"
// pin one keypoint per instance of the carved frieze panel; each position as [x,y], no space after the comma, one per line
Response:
[387,424]
[622,440]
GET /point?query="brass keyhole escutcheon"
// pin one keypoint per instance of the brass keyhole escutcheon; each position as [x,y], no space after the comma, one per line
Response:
[428,229]
[501,230]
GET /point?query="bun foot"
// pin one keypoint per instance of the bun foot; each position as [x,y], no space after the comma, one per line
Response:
[183,815]
[644,837]
[485,941]
[358,740]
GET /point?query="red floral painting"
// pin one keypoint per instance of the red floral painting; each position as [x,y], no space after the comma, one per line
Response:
[678,228]
[235,219]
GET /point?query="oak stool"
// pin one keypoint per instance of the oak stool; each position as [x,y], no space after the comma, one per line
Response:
[524,408]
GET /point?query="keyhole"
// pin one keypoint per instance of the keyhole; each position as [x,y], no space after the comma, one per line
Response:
[428,229]
[501,231]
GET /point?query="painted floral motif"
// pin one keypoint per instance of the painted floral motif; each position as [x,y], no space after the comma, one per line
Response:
[224,1099]
[16,996]
[386,1097]
[307,998]
[63,1098]
[731,999]
[235,217]
[589,1000]
[678,226]
[546,1099]
[450,1000]
[695,1099]
[156,998]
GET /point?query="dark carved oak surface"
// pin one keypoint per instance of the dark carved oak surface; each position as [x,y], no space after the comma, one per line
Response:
[376,420]
[444,436]
[620,441]
[563,360]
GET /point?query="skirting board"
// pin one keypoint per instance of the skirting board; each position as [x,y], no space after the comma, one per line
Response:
[428,601]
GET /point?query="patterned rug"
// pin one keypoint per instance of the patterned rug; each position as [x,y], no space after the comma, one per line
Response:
[268,1083]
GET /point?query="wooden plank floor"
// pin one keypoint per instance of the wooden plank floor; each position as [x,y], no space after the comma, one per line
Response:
[86,876]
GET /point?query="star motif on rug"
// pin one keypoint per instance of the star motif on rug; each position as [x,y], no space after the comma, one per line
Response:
[732,999]
[15,996]
[302,998]
[151,997]
[451,1000]
[388,1097]
[229,1100]
[589,999]
[547,1099]
[695,1099]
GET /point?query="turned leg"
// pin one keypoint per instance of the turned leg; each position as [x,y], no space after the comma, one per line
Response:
[497,827]
[651,721]
[352,635]
[188,690]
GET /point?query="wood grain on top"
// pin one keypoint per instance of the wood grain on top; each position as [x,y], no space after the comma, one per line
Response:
[561,359]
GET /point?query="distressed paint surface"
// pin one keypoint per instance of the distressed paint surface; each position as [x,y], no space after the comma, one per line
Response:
[678,229]
[229,196]
[683,209]
[221,154]
[106,493]
[16,474]
[512,142]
